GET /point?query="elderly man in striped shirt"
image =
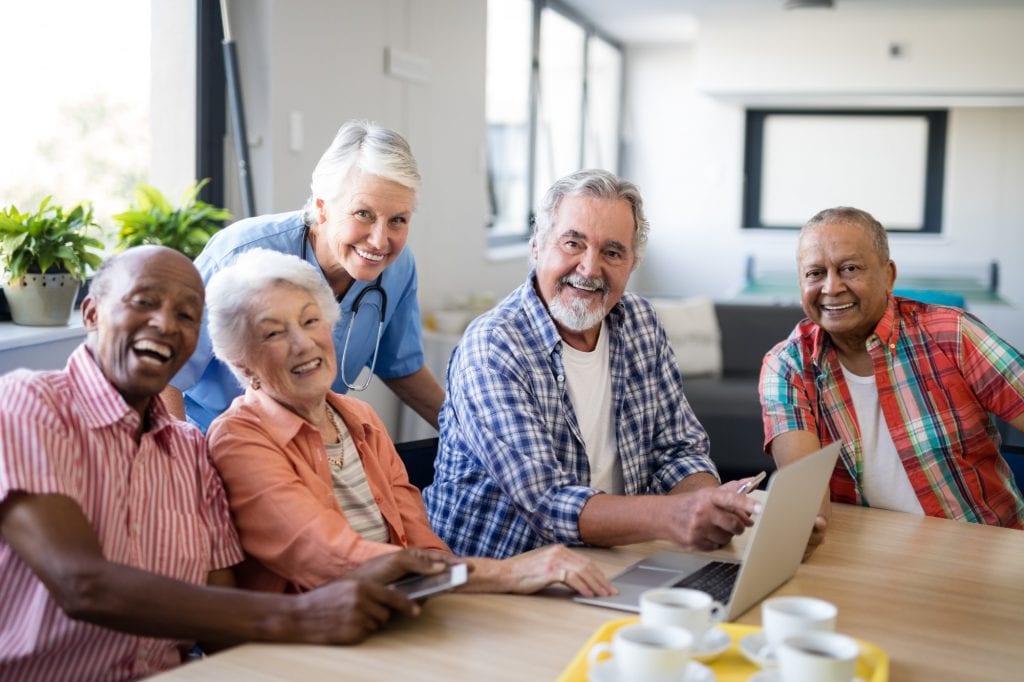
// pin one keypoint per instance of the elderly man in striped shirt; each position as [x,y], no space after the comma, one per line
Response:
[115,537]
[908,387]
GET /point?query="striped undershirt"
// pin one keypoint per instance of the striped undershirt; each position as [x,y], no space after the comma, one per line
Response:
[352,490]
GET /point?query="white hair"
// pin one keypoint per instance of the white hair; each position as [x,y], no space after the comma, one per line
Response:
[231,293]
[363,146]
[600,184]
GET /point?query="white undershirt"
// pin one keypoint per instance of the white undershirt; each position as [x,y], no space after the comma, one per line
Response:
[588,379]
[885,483]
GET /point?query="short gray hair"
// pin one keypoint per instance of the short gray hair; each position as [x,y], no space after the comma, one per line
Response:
[851,216]
[599,184]
[231,293]
[365,146]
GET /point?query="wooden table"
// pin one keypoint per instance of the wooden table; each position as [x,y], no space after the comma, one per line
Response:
[944,599]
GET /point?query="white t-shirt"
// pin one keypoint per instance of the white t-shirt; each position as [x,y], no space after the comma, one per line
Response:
[588,378]
[885,483]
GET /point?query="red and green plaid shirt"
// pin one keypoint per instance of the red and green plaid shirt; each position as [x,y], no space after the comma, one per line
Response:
[939,374]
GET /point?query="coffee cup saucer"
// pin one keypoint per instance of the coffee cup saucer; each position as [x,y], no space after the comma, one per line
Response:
[607,671]
[711,645]
[772,675]
[755,649]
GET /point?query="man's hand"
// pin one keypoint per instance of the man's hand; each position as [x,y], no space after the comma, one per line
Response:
[820,526]
[707,518]
[347,610]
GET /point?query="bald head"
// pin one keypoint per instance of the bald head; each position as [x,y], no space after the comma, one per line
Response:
[135,260]
[851,216]
[143,315]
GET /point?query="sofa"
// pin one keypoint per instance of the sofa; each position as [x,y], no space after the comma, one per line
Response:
[720,346]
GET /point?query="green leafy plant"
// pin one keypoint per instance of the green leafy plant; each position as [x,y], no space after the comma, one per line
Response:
[153,220]
[48,240]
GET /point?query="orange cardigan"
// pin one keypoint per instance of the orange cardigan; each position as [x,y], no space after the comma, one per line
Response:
[279,486]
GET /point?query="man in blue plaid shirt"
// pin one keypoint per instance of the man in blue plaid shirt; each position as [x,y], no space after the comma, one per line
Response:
[565,419]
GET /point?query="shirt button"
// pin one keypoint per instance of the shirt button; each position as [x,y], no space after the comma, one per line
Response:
[561,378]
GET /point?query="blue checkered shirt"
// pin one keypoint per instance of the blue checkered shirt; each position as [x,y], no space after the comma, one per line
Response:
[512,472]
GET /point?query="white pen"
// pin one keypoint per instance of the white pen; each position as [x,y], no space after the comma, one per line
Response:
[751,484]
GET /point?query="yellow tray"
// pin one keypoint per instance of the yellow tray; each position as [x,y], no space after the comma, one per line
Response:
[731,666]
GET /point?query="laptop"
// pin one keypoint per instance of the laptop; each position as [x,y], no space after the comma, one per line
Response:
[774,550]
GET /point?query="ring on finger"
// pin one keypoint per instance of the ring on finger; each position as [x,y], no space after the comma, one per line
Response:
[565,574]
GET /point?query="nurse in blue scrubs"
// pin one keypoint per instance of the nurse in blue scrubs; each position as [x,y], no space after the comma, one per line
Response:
[353,228]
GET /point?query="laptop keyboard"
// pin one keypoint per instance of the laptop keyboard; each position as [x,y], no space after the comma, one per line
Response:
[715,578]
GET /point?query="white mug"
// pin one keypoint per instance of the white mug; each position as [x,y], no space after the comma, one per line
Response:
[818,657]
[646,653]
[692,610]
[785,616]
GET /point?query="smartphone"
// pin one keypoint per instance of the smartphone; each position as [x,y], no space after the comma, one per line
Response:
[752,484]
[419,586]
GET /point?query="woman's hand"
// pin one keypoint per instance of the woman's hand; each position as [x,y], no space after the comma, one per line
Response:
[398,564]
[537,569]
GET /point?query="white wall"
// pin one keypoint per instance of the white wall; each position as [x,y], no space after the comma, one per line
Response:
[172,97]
[686,118]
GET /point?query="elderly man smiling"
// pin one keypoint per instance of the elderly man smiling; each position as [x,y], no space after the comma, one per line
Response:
[565,419]
[908,387]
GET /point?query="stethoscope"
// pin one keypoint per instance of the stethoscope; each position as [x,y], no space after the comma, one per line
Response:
[376,286]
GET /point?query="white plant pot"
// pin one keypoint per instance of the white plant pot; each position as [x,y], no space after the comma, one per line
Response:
[42,300]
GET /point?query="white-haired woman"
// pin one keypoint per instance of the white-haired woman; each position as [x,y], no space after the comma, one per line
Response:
[315,485]
[353,229]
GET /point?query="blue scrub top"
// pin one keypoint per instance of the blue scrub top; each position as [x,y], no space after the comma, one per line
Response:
[209,386]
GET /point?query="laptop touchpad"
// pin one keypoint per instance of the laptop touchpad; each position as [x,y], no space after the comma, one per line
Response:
[641,576]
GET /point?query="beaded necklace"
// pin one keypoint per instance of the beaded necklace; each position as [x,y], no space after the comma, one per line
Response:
[336,422]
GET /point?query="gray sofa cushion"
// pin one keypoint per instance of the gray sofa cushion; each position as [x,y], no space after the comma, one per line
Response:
[729,407]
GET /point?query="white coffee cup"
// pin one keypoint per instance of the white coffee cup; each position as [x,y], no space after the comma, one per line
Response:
[692,610]
[818,657]
[646,653]
[785,616]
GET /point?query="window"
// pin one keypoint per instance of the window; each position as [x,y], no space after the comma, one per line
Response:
[76,120]
[554,93]
[889,163]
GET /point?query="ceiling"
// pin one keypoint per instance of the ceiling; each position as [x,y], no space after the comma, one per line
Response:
[677,21]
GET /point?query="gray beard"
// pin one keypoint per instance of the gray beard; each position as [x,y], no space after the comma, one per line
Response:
[578,316]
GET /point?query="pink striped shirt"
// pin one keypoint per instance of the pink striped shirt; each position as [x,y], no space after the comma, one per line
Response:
[157,505]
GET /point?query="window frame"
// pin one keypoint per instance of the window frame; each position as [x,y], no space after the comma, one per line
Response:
[211,101]
[589,31]
[934,171]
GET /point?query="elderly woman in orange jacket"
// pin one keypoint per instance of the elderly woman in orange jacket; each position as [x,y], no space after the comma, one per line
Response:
[314,483]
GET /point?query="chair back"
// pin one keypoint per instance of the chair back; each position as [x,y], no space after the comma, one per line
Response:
[418,457]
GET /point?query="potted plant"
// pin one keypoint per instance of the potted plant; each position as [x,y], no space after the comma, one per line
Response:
[45,255]
[153,220]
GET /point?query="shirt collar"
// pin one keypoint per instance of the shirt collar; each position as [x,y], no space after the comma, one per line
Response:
[101,404]
[283,425]
[885,331]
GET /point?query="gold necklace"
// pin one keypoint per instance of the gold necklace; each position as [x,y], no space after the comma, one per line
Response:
[333,416]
